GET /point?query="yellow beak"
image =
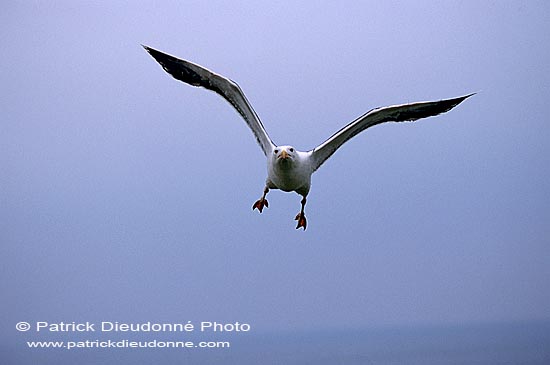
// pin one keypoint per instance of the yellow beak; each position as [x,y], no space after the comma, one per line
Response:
[283,155]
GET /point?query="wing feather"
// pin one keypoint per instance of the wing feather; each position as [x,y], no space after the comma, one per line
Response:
[394,113]
[199,76]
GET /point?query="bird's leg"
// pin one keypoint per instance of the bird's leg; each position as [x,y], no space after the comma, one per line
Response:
[301,217]
[262,202]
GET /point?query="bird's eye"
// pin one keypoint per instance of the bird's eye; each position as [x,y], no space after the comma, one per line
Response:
[291,149]
[276,151]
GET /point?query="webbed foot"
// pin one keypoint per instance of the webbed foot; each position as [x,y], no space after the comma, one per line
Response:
[260,204]
[301,218]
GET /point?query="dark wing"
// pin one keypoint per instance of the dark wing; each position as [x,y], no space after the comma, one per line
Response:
[394,113]
[196,75]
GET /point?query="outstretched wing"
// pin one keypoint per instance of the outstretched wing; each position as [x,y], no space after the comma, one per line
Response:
[196,75]
[394,113]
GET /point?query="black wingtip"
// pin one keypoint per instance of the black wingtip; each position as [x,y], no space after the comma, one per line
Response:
[153,52]
[451,103]
[160,57]
[460,99]
[166,61]
[182,70]
[157,55]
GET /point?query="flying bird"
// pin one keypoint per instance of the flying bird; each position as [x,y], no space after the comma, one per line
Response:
[289,169]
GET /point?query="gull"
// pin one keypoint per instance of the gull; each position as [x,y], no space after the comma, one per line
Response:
[289,169]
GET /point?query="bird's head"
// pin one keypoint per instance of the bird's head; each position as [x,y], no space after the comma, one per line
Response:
[284,154]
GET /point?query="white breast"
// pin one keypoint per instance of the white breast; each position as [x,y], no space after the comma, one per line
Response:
[292,175]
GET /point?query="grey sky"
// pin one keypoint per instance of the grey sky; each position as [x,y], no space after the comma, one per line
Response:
[122,186]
